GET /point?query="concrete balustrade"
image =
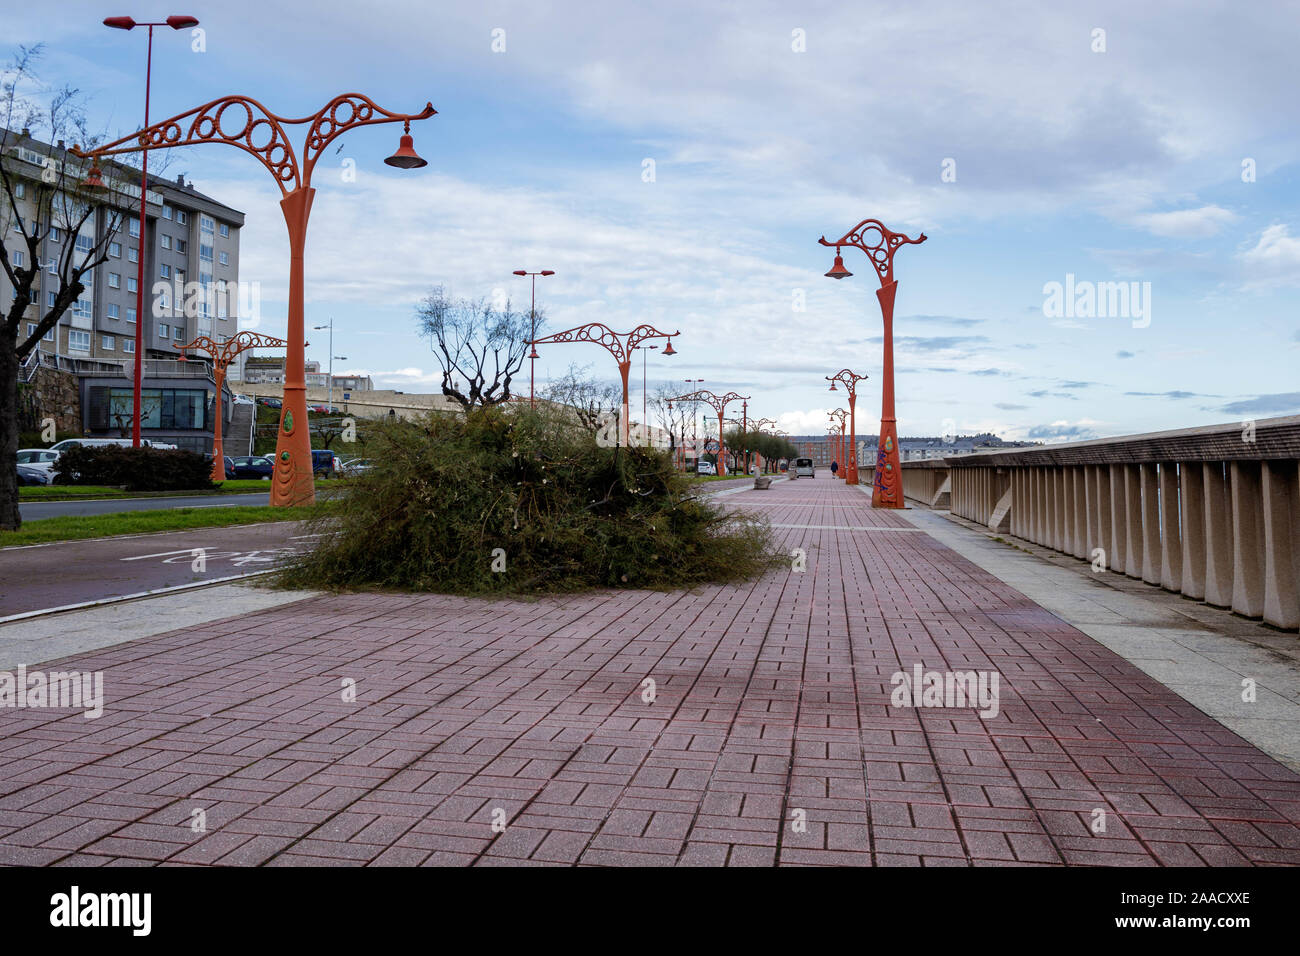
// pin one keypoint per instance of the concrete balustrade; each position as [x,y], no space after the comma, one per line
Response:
[1211,513]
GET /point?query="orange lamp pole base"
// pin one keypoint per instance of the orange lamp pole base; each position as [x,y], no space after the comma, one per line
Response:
[292,478]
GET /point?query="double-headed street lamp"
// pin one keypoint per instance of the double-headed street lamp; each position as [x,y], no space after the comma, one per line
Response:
[849,379]
[645,421]
[619,345]
[880,244]
[222,354]
[719,404]
[532,331]
[245,123]
[341,358]
[126,23]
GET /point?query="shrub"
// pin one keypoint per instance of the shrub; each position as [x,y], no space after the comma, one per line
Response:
[452,496]
[137,469]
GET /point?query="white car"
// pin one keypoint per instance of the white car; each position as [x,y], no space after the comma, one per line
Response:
[243,400]
[103,442]
[706,468]
[42,459]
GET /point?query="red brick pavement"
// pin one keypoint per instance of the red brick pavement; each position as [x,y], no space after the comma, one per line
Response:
[772,707]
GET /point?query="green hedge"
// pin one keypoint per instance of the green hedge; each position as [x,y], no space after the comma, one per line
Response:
[137,469]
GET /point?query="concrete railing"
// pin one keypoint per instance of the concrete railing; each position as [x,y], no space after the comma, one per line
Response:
[1212,513]
[927,482]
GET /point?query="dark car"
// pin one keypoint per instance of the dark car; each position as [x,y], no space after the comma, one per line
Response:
[269,402]
[324,463]
[32,476]
[254,467]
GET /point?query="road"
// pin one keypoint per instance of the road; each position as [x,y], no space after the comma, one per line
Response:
[63,573]
[32,510]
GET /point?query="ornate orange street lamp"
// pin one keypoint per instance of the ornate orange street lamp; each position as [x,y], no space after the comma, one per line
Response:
[245,123]
[619,345]
[838,417]
[222,355]
[719,404]
[849,379]
[880,244]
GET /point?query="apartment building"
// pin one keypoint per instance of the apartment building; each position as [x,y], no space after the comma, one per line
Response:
[191,261]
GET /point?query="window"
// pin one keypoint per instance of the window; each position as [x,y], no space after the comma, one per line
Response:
[181,245]
[207,223]
[166,241]
[133,255]
[167,211]
[178,333]
[49,298]
[17,258]
[164,301]
[31,330]
[114,310]
[78,341]
[20,190]
[56,234]
[82,311]
[53,266]
[133,227]
[225,231]
[85,243]
[205,251]
[130,315]
[115,250]
[224,257]
[164,330]
[106,343]
[131,284]
[114,280]
[128,345]
[182,217]
[160,407]
[165,271]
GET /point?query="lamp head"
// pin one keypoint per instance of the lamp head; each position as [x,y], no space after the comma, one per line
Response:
[837,270]
[406,157]
[182,23]
[119,23]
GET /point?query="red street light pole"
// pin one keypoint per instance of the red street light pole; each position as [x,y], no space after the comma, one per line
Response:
[849,379]
[719,404]
[619,345]
[532,333]
[245,123]
[126,23]
[222,355]
[880,244]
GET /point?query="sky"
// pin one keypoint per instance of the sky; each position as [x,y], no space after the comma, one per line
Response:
[676,163]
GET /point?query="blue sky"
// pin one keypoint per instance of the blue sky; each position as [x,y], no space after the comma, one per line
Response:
[1122,165]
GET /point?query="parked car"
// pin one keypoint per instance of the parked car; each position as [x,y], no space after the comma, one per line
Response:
[803,468]
[243,400]
[27,475]
[229,464]
[357,466]
[324,463]
[103,442]
[254,467]
[42,459]
[269,402]
[706,468]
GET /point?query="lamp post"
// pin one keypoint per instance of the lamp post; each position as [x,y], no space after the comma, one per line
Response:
[245,123]
[126,23]
[532,331]
[619,345]
[341,358]
[838,417]
[719,404]
[644,414]
[222,354]
[849,379]
[880,244]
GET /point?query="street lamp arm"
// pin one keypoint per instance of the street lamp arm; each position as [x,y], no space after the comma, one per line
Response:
[879,242]
[245,123]
[643,332]
[595,332]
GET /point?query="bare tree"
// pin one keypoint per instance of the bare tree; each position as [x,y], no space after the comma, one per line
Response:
[592,401]
[42,198]
[479,347]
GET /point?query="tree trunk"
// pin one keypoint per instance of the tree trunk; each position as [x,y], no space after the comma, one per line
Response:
[10,519]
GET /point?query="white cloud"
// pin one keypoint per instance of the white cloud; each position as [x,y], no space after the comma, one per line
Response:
[1187,223]
[1274,260]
